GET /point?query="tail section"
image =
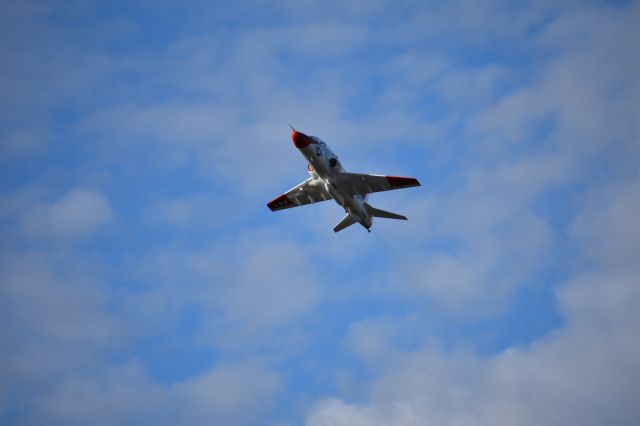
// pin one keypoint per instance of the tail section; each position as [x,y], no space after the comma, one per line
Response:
[345,222]
[381,213]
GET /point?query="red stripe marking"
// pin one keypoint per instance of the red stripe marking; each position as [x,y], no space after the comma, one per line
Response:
[280,203]
[402,181]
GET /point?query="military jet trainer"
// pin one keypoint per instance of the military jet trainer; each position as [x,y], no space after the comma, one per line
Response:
[329,181]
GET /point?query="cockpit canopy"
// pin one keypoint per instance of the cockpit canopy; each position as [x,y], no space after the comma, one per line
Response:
[318,140]
[323,145]
[333,159]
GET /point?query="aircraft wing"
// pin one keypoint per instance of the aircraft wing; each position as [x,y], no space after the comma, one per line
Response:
[362,184]
[308,192]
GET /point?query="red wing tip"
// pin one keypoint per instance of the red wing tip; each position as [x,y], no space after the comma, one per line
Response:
[402,181]
[279,203]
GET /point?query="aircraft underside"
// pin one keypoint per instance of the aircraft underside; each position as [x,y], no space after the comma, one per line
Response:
[329,180]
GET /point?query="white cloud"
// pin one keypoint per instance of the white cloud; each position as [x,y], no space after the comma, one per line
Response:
[75,215]
[231,394]
[493,241]
[112,395]
[370,338]
[55,318]
[487,220]
[61,324]
[257,291]
[588,88]
[585,372]
[607,227]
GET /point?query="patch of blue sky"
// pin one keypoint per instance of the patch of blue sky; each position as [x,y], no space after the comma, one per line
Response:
[176,351]
[174,199]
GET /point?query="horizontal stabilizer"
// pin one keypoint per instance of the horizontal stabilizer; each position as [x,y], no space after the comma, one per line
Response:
[347,221]
[381,213]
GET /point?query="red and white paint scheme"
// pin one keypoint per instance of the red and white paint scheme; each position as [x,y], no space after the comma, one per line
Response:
[329,181]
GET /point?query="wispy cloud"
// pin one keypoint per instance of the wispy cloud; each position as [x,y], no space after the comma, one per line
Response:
[143,279]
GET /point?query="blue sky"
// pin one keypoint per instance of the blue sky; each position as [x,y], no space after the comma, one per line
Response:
[143,279]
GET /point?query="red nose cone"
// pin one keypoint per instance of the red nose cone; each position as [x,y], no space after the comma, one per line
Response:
[300,140]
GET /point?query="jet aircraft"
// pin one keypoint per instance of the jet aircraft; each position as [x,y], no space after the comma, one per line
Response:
[329,181]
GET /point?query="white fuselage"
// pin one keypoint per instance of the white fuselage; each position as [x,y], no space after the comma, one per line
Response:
[326,168]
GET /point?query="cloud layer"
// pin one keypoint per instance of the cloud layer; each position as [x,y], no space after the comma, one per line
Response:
[142,278]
